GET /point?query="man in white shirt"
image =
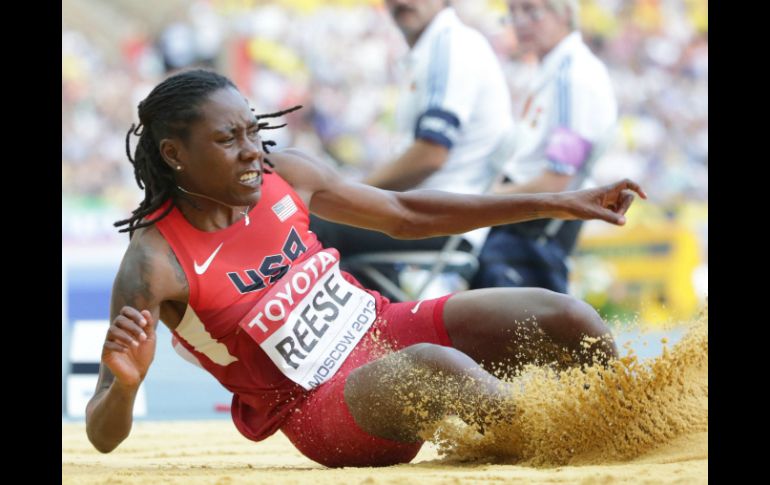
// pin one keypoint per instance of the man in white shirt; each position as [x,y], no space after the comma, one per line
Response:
[570,107]
[455,105]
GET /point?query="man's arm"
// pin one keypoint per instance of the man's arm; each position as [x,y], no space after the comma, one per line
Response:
[582,127]
[426,213]
[566,153]
[129,347]
[417,163]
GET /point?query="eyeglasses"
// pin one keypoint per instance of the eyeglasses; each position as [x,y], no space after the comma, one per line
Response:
[527,12]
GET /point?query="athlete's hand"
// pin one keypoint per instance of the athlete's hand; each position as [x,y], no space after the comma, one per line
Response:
[130,346]
[608,203]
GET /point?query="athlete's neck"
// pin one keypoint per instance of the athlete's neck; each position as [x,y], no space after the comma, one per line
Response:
[235,214]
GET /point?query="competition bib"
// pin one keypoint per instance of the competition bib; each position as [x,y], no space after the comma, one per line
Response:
[311,320]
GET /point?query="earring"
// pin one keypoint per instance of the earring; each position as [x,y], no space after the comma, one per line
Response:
[179,167]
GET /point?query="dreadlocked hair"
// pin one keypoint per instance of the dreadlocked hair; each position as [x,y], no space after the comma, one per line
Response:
[264,125]
[167,112]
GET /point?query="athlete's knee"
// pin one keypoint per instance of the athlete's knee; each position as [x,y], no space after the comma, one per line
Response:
[588,323]
[563,309]
[583,316]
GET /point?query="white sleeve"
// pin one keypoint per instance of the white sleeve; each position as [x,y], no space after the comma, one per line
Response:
[592,105]
[452,88]
[586,110]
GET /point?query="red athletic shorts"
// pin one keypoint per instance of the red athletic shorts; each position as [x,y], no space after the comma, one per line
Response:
[322,427]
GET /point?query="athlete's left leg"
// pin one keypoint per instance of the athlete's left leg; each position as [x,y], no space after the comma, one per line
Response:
[516,326]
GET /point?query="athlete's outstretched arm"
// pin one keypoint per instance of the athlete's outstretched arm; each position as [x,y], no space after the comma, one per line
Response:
[427,213]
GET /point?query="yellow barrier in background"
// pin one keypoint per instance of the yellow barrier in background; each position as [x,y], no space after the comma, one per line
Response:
[645,270]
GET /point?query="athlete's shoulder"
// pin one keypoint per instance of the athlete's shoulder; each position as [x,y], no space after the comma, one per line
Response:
[150,264]
[302,170]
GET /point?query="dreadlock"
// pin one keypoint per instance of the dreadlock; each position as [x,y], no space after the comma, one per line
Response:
[167,112]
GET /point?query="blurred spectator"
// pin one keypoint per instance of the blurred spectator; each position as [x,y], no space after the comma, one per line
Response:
[568,113]
[340,62]
[453,110]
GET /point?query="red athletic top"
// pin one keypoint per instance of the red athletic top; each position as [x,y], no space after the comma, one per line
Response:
[228,271]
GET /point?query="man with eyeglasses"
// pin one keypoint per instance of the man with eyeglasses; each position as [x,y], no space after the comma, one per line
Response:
[569,108]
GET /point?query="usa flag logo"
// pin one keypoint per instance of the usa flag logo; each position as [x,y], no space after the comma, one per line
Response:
[284,208]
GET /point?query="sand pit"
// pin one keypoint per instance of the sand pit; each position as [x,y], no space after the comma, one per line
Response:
[646,422]
[212,452]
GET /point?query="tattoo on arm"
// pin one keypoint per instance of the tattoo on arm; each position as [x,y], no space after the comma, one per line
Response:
[178,271]
[134,283]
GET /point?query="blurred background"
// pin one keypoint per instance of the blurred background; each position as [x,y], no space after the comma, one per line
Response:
[338,59]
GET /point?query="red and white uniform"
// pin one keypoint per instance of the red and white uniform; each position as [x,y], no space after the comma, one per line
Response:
[272,318]
[228,272]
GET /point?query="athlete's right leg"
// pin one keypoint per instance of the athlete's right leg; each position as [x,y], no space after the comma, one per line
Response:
[323,427]
[401,377]
[398,395]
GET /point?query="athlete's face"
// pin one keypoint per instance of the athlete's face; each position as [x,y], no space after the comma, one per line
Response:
[222,156]
[412,16]
[538,27]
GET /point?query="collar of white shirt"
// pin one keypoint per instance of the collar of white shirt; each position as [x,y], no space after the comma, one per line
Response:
[444,18]
[553,59]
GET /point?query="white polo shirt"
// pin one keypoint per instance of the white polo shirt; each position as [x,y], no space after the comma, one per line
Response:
[454,93]
[569,108]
